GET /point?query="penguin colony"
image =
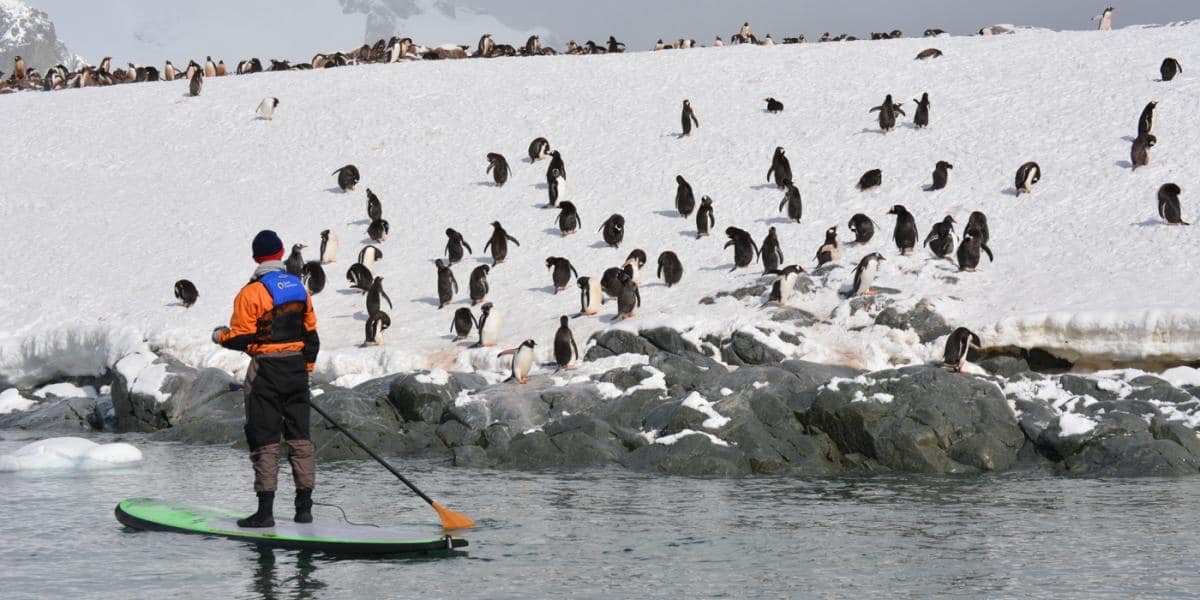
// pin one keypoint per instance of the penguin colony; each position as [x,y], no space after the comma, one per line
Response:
[622,283]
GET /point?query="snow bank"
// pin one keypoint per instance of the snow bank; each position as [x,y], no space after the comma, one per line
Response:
[66,453]
[1115,335]
[11,401]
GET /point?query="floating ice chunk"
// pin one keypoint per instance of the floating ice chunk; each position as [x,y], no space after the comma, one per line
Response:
[69,453]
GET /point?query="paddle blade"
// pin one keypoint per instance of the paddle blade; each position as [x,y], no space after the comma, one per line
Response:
[451,519]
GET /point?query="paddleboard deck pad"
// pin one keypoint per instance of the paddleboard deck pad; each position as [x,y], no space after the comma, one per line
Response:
[157,515]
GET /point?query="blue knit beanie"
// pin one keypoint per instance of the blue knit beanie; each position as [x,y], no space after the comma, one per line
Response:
[266,245]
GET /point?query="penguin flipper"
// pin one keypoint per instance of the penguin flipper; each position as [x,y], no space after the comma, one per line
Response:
[989,252]
[512,239]
[877,108]
[385,297]
[467,246]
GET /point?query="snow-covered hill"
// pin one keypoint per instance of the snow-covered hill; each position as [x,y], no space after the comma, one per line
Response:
[29,33]
[113,194]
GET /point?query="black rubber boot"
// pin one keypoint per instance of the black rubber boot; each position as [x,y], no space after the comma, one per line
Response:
[264,517]
[303,506]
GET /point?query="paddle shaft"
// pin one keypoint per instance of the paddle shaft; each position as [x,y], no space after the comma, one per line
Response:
[385,463]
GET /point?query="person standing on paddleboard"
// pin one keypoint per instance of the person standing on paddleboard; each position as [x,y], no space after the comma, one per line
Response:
[273,322]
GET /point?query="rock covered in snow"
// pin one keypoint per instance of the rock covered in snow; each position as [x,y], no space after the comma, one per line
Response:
[29,33]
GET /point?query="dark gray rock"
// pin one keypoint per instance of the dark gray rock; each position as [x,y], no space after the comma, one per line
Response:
[422,401]
[1174,431]
[922,319]
[185,388]
[1163,392]
[627,411]
[692,456]
[625,377]
[574,442]
[373,421]
[672,417]
[1004,366]
[753,290]
[798,316]
[1135,455]
[221,420]
[378,388]
[744,349]
[495,438]
[1083,386]
[470,456]
[773,440]
[615,342]
[668,340]
[66,415]
[573,399]
[686,373]
[454,434]
[1147,381]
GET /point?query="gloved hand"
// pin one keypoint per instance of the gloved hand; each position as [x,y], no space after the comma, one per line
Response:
[217,332]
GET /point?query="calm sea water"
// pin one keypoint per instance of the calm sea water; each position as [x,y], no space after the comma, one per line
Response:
[612,534]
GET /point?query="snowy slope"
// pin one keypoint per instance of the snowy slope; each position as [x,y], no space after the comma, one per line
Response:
[139,186]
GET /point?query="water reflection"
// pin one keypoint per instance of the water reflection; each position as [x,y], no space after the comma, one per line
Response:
[297,583]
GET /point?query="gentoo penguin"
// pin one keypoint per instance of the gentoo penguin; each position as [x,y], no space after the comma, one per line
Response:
[568,220]
[533,47]
[447,285]
[887,113]
[717,43]
[791,201]
[780,168]
[629,299]
[313,276]
[221,70]
[329,247]
[560,272]
[610,282]
[266,108]
[556,162]
[1146,121]
[784,286]
[539,148]
[1168,208]
[634,263]
[376,324]
[941,237]
[1029,174]
[705,219]
[498,243]
[1139,152]
[688,117]
[347,177]
[555,186]
[488,325]
[613,230]
[767,41]
[771,253]
[1105,19]
[210,67]
[977,226]
[295,261]
[20,71]
[1169,69]
[454,246]
[590,295]
[870,179]
[773,105]
[928,53]
[934,32]
[106,64]
[378,230]
[462,324]
[498,167]
[615,47]
[374,294]
[359,277]
[368,255]
[863,228]
[905,233]
[670,270]
[192,70]
[196,84]
[745,251]
[968,252]
[478,284]
[830,249]
[565,350]
[522,361]
[374,206]
[940,175]
[958,345]
[864,275]
[485,46]
[921,117]
[744,34]
[685,200]
[186,294]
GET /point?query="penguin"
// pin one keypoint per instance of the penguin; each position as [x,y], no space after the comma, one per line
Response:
[555,186]
[958,345]
[629,298]
[870,179]
[1169,69]
[637,257]
[347,177]
[221,69]
[488,325]
[185,291]
[670,270]
[864,275]
[934,32]
[210,68]
[498,167]
[329,247]
[1146,121]
[378,230]
[462,324]
[368,255]
[780,168]
[830,249]
[610,282]
[196,83]
[447,286]
[313,276]
[688,117]
[863,228]
[376,324]
[20,71]
[295,261]
[659,45]
[791,200]
[767,41]
[685,200]
[615,47]
[556,162]
[784,286]
[1168,208]
[717,43]
[968,252]
[921,117]
[590,296]
[169,71]
[522,361]
[533,46]
[192,70]
[928,53]
[1029,174]
[905,233]
[940,175]
[498,243]
[705,219]
[745,251]
[485,46]
[744,34]
[565,350]
[478,284]
[266,108]
[977,225]
[1139,152]
[613,230]
[771,252]
[568,220]
[560,272]
[454,246]
[373,295]
[374,206]
[773,105]
[942,237]
[887,113]
[539,148]
[359,277]
[1105,19]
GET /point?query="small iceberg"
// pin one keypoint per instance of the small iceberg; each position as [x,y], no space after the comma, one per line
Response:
[69,453]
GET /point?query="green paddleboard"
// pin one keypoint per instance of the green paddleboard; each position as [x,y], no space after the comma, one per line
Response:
[333,537]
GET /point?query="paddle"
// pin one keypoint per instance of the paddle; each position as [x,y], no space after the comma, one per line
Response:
[450,519]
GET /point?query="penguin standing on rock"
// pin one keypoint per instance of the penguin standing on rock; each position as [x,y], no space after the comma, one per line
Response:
[780,168]
[613,230]
[1027,175]
[864,275]
[359,277]
[560,272]
[477,286]
[498,243]
[447,286]
[830,249]
[941,173]
[266,108]
[1169,69]
[347,177]
[522,362]
[784,286]
[863,228]
[454,246]
[688,117]
[186,294]
[565,350]
[568,219]
[498,167]
[590,296]
[1146,120]
[329,247]
[1168,206]
[887,113]
[773,105]
[705,219]
[670,270]
[376,324]
[539,149]
[791,201]
[921,117]
[685,200]
[977,225]
[905,233]
[968,252]
[958,345]
[1139,152]
[462,324]
[745,251]
[374,294]
[556,184]
[771,252]
[374,206]
[870,179]
[941,237]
